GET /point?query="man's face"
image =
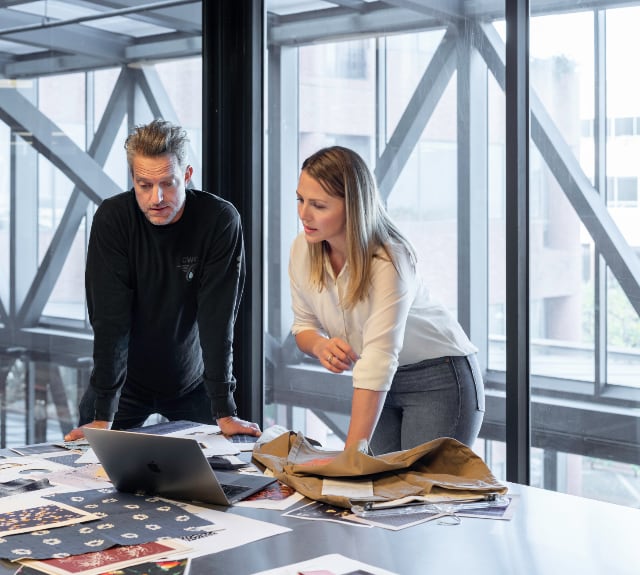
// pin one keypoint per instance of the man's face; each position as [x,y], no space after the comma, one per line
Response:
[160,184]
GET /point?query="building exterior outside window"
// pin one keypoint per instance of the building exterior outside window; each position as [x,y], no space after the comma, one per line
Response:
[430,120]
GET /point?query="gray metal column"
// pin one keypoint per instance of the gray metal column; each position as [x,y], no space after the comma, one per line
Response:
[517,238]
[473,192]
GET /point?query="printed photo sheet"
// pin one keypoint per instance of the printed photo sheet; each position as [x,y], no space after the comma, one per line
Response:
[319,511]
[165,567]
[275,496]
[21,515]
[101,562]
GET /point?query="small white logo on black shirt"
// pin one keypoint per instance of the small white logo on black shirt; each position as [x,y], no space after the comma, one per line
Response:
[188,266]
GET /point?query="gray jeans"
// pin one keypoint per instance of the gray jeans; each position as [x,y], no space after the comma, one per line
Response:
[441,397]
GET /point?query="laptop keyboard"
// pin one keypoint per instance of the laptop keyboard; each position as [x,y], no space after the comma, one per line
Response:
[241,438]
[232,490]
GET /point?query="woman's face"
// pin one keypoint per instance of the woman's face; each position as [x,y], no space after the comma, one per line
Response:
[323,216]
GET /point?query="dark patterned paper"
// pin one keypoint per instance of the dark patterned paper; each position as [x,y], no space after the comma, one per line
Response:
[126,519]
[50,515]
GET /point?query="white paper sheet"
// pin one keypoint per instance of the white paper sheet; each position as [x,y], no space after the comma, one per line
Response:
[28,467]
[235,531]
[334,564]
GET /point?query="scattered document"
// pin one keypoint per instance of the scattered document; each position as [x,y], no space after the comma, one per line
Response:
[25,466]
[333,564]
[235,530]
[276,496]
[319,511]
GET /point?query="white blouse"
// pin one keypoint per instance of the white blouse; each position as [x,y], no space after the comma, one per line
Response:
[397,324]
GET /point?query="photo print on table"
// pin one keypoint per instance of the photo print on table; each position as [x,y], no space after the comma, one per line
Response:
[39,515]
[108,560]
[319,511]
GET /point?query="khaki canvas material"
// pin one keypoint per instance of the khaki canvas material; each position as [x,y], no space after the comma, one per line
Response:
[441,466]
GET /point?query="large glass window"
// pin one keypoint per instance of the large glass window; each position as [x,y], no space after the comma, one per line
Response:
[431,123]
[74,77]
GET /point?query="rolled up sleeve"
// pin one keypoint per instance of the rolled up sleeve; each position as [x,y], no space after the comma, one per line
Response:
[390,298]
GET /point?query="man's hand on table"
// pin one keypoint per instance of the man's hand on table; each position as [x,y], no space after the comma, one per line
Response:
[228,426]
[77,433]
[235,426]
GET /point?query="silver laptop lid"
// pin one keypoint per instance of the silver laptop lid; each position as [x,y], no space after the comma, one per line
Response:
[174,467]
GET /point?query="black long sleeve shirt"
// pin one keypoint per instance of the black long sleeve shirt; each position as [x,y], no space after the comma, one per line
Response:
[163,300]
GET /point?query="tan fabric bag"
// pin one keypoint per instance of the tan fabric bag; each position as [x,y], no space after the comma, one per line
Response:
[442,466]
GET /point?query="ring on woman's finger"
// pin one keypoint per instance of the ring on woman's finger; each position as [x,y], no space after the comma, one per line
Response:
[330,359]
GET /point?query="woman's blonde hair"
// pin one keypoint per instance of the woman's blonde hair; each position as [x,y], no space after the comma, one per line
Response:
[344,174]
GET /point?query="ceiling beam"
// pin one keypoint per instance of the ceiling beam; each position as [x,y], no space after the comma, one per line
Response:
[163,48]
[446,10]
[23,28]
[47,63]
[184,17]
[339,23]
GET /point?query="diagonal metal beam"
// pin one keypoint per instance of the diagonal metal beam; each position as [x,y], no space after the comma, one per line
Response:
[4,318]
[492,49]
[564,166]
[417,113]
[586,201]
[49,140]
[53,261]
[148,80]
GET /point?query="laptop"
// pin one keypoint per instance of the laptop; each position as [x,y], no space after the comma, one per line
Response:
[173,467]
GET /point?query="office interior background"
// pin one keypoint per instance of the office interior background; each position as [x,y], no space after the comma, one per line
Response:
[505,138]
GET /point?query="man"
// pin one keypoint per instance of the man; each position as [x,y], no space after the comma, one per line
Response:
[164,278]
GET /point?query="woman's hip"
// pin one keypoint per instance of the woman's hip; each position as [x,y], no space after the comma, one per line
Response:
[456,375]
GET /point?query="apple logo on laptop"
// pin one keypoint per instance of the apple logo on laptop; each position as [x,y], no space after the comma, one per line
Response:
[153,466]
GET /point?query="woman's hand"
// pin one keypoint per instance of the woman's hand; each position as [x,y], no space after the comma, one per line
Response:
[335,354]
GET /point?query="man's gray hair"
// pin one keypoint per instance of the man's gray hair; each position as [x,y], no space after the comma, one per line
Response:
[157,138]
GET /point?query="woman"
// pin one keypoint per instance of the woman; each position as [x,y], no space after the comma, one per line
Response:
[359,304]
